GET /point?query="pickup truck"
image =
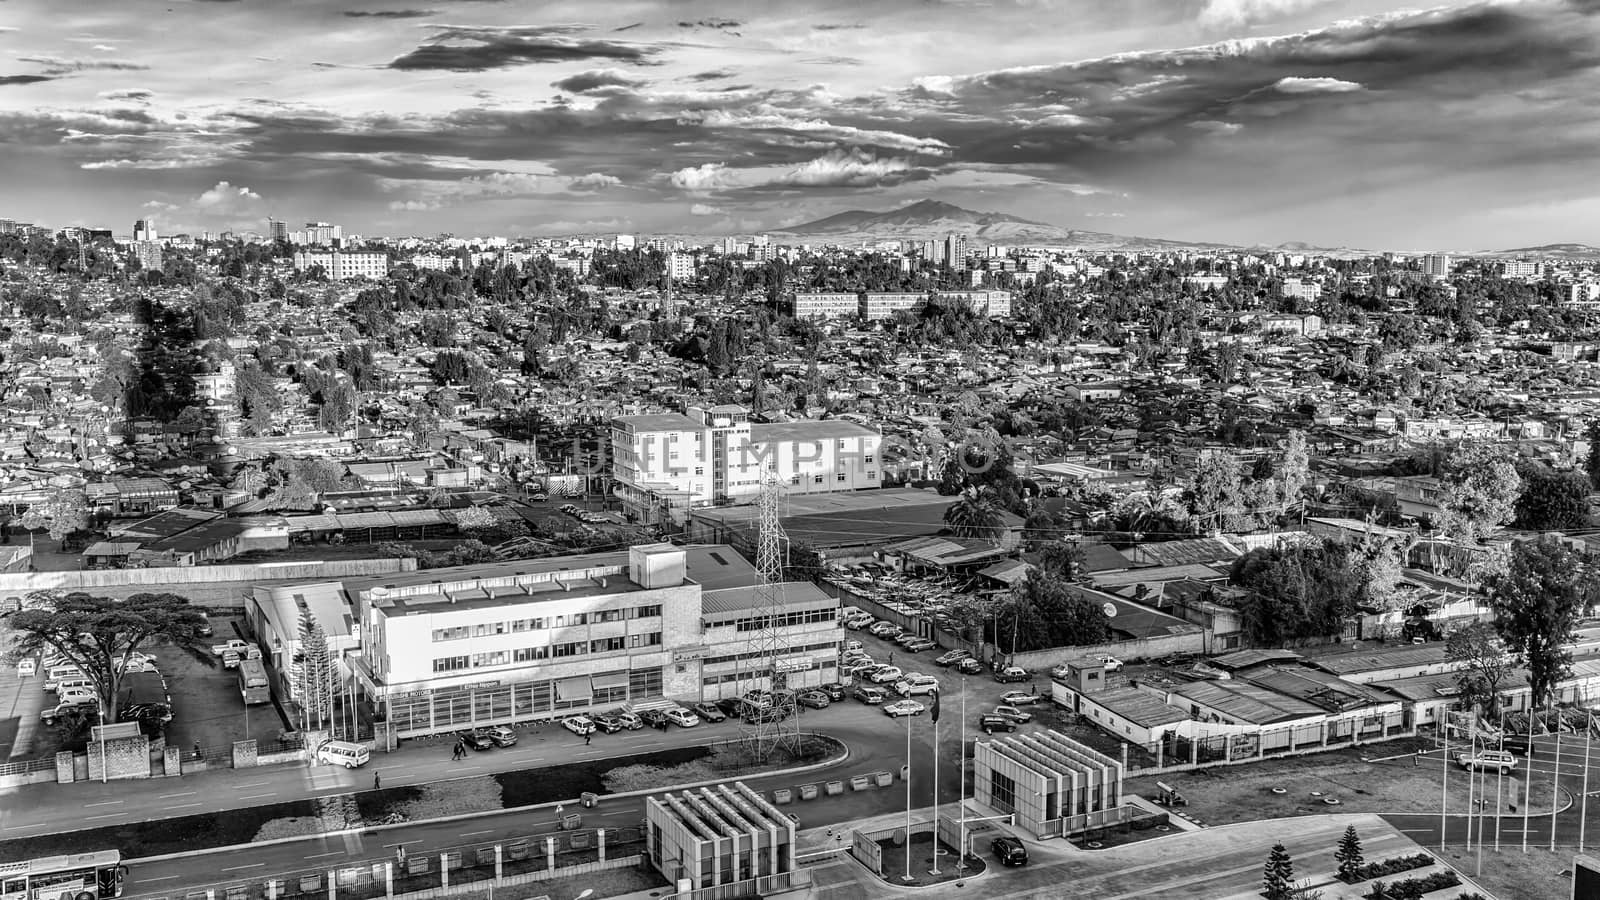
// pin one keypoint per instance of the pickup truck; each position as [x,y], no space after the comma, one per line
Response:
[1487,759]
[235,645]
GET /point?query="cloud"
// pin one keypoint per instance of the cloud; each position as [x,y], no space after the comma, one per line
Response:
[24,79]
[136,94]
[704,177]
[594,181]
[716,24]
[1212,126]
[225,199]
[1296,85]
[104,48]
[55,65]
[1219,14]
[159,205]
[479,49]
[713,75]
[594,79]
[836,27]
[769,119]
[388,13]
[702,209]
[415,205]
[853,168]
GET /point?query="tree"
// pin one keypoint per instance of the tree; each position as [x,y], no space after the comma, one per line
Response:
[100,634]
[312,671]
[1481,486]
[976,514]
[1278,876]
[63,513]
[1215,495]
[1484,664]
[1293,470]
[1348,856]
[1045,611]
[1592,464]
[1551,500]
[1537,603]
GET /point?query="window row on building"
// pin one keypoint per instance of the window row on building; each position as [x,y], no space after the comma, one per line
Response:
[471,706]
[549,651]
[543,623]
[759,654]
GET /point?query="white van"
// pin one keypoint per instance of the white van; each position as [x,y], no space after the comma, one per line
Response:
[55,675]
[344,753]
[26,667]
[74,684]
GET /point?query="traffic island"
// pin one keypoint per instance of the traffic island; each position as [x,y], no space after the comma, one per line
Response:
[925,856]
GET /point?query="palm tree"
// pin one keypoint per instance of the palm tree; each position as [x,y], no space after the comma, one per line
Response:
[976,514]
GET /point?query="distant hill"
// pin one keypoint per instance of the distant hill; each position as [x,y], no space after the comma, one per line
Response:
[932,219]
[1575,250]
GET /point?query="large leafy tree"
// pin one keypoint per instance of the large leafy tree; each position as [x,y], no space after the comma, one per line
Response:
[1045,611]
[1551,500]
[63,514]
[1592,463]
[100,634]
[1538,601]
[1484,664]
[1481,486]
[976,514]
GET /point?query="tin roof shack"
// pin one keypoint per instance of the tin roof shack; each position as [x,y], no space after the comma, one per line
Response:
[723,836]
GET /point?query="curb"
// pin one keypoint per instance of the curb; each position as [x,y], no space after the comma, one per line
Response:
[460,817]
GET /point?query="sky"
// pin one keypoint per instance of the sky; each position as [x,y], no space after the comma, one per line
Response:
[1333,122]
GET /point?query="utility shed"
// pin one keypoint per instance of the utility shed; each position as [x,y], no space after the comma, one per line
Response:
[722,836]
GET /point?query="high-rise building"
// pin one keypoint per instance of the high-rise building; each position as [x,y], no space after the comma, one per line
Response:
[144,230]
[625,242]
[339,266]
[322,234]
[681,266]
[277,230]
[1436,265]
[149,255]
[955,250]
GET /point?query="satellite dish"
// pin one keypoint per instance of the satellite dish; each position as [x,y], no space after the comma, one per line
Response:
[1110,609]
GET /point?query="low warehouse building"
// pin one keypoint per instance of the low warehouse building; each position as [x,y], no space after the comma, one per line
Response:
[1053,785]
[724,836]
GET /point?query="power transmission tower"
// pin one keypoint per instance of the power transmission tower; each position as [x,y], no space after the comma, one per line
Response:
[767,649]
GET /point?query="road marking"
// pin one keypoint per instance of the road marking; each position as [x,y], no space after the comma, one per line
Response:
[181,805]
[158,878]
[403,843]
[238,868]
[110,816]
[329,853]
[170,796]
[22,827]
[103,803]
[258,796]
[476,833]
[251,784]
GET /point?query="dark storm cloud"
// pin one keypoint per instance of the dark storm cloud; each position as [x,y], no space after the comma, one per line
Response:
[596,78]
[473,49]
[712,75]
[25,79]
[388,13]
[55,65]
[712,23]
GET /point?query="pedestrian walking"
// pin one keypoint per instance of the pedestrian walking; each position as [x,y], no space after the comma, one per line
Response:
[891,657]
[400,855]
[196,749]
[587,737]
[377,783]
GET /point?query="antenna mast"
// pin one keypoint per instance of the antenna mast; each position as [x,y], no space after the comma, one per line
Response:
[768,648]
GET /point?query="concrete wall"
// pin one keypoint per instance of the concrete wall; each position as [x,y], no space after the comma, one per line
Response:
[1145,648]
[205,583]
[127,757]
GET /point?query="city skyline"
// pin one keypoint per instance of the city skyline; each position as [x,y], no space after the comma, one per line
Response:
[1233,121]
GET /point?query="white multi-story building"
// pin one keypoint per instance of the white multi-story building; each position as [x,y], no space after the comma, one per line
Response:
[681,266]
[144,230]
[1521,268]
[878,305]
[625,242]
[1301,289]
[148,253]
[434,262]
[1583,293]
[446,649]
[345,264]
[1436,265]
[322,234]
[665,464]
[825,304]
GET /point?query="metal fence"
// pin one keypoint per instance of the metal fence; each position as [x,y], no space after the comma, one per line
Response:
[23,767]
[548,854]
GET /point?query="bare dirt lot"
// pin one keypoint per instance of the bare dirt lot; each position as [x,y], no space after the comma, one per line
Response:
[1242,793]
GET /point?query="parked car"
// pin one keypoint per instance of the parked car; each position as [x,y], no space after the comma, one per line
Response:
[682,718]
[154,713]
[653,718]
[230,659]
[833,689]
[771,714]
[921,644]
[862,669]
[884,629]
[477,740]
[886,675]
[814,699]
[1012,713]
[608,723]
[708,712]
[579,725]
[1009,851]
[731,706]
[1112,664]
[851,645]
[969,666]
[1487,759]
[903,708]
[1020,698]
[235,645]
[990,723]
[858,622]
[500,735]
[1011,674]
[951,657]
[914,684]
[628,719]
[204,629]
[907,638]
[870,695]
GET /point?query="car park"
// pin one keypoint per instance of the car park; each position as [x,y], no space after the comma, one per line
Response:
[968,666]
[1011,674]
[608,723]
[990,723]
[476,740]
[682,718]
[903,708]
[1009,850]
[886,675]
[870,695]
[708,712]
[951,657]
[1020,698]
[1012,713]
[500,735]
[814,699]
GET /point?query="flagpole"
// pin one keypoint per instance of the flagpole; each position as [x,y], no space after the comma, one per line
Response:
[1472,757]
[961,766]
[1555,786]
[935,869]
[908,798]
[1500,783]
[1444,783]
[1583,815]
[1527,782]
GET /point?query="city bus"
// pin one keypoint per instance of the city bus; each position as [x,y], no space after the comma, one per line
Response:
[253,685]
[80,876]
